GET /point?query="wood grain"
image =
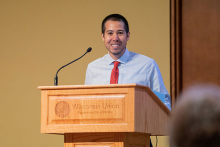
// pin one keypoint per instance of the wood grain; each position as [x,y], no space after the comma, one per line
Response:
[107,140]
[102,108]
[195,44]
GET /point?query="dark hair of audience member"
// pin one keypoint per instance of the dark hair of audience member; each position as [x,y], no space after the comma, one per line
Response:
[196,118]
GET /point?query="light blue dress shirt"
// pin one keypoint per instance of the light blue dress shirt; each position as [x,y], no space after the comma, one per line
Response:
[133,68]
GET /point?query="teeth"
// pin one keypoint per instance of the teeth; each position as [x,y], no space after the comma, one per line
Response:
[114,45]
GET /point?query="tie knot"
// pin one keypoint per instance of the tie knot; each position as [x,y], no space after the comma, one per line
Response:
[116,63]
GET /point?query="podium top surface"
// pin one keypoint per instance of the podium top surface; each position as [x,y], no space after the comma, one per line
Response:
[90,86]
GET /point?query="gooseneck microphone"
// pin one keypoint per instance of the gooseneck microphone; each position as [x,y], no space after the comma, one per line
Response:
[56,77]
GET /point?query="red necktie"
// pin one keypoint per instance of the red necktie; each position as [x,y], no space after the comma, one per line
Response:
[115,73]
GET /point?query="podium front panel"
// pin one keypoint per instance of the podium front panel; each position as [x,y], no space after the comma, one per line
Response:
[87,110]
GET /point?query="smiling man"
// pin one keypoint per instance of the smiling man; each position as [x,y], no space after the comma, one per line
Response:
[121,66]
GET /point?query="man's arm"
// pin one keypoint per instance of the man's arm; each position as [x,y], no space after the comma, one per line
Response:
[88,76]
[157,83]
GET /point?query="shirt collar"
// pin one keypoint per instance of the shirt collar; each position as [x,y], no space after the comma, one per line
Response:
[123,59]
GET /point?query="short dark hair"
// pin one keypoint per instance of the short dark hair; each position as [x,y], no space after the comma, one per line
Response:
[115,17]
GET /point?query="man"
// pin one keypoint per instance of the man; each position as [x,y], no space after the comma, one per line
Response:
[196,118]
[130,67]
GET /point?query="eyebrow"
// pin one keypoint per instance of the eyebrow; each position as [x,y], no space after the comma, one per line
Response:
[109,30]
[117,30]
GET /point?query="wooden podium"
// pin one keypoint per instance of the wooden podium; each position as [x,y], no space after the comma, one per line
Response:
[116,115]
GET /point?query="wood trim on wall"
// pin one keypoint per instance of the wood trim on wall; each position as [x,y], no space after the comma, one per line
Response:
[175,49]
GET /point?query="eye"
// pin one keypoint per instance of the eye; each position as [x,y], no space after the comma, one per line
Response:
[120,33]
[109,33]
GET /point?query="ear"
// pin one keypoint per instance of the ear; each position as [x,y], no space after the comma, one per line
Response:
[103,38]
[128,36]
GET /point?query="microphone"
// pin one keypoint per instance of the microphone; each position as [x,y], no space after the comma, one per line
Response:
[56,77]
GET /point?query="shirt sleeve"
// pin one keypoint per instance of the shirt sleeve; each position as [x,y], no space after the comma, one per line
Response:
[88,76]
[157,83]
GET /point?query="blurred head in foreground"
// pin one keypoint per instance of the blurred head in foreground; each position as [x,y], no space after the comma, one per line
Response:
[196,118]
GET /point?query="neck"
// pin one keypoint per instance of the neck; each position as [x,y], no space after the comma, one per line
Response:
[116,57]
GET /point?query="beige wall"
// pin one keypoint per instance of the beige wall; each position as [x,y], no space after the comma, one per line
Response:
[37,37]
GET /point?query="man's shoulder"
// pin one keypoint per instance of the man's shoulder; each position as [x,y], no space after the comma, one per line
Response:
[140,57]
[98,61]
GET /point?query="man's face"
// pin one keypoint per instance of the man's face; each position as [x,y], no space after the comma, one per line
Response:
[115,38]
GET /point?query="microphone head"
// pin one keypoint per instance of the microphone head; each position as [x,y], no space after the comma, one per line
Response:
[89,49]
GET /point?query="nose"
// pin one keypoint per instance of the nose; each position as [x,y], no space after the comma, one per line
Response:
[115,37]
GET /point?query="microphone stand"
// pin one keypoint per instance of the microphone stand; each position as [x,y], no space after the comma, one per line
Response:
[56,77]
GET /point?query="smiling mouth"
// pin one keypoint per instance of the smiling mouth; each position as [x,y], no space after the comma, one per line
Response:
[115,45]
